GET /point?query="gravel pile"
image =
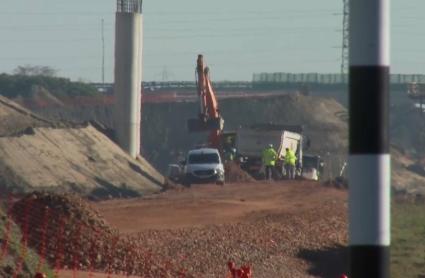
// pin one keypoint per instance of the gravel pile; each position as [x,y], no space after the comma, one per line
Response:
[274,245]
[69,234]
[278,245]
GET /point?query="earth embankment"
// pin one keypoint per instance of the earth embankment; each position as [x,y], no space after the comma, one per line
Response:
[40,154]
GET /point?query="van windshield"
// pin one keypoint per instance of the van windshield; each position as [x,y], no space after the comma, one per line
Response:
[203,158]
[310,162]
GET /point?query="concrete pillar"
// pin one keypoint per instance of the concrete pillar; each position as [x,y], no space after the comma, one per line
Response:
[128,75]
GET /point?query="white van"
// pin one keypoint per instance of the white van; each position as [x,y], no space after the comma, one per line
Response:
[203,165]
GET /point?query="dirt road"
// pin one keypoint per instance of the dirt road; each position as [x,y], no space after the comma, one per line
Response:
[210,204]
[283,229]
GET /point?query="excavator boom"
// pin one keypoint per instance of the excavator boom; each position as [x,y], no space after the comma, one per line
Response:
[209,118]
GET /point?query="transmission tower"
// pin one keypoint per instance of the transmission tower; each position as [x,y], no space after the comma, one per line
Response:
[345,37]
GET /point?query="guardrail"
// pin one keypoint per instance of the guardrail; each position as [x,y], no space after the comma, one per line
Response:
[325,79]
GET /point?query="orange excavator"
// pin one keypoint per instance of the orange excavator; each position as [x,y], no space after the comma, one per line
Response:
[209,118]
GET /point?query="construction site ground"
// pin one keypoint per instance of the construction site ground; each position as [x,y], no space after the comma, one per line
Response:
[281,229]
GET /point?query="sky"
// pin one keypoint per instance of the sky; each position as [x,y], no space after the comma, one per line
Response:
[237,37]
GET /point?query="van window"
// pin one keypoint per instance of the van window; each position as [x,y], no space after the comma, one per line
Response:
[310,161]
[203,158]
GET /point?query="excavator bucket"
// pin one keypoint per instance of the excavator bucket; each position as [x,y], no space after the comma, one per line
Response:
[197,125]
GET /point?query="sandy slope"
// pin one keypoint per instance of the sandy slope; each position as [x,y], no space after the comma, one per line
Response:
[79,158]
[39,154]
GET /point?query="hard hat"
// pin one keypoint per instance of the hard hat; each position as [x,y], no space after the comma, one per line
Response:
[270,145]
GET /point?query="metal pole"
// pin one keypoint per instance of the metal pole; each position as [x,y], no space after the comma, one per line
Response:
[369,158]
[103,52]
[345,36]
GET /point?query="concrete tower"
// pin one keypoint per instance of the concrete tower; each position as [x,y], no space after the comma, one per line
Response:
[128,74]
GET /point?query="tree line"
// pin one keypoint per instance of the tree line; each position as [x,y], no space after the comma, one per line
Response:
[27,80]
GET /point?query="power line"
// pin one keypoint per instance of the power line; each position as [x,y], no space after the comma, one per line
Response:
[70,24]
[74,58]
[228,35]
[238,29]
[285,11]
[49,41]
[56,13]
[168,13]
[229,19]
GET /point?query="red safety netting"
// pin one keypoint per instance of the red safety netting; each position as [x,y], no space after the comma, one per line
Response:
[67,234]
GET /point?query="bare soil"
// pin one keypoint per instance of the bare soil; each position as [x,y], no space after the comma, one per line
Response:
[212,204]
[281,229]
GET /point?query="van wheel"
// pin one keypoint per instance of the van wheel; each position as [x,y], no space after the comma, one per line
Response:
[187,183]
[222,183]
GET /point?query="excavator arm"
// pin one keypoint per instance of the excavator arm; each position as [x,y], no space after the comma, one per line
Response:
[209,118]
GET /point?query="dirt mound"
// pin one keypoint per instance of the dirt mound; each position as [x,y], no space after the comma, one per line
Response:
[81,160]
[69,234]
[15,119]
[324,119]
[36,154]
[234,173]
[40,97]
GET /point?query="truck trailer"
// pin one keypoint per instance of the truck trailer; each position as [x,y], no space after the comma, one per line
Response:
[250,143]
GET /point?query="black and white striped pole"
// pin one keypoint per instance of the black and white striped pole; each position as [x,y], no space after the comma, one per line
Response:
[369,158]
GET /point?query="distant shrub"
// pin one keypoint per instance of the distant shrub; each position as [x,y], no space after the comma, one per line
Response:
[22,85]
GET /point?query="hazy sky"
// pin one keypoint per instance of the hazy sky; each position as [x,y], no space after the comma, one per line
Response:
[237,37]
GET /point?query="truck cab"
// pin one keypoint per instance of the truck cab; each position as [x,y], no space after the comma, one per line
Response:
[203,165]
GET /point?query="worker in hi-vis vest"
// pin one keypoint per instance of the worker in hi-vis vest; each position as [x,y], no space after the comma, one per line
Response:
[290,162]
[269,157]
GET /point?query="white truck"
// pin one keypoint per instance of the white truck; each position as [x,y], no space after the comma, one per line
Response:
[250,143]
